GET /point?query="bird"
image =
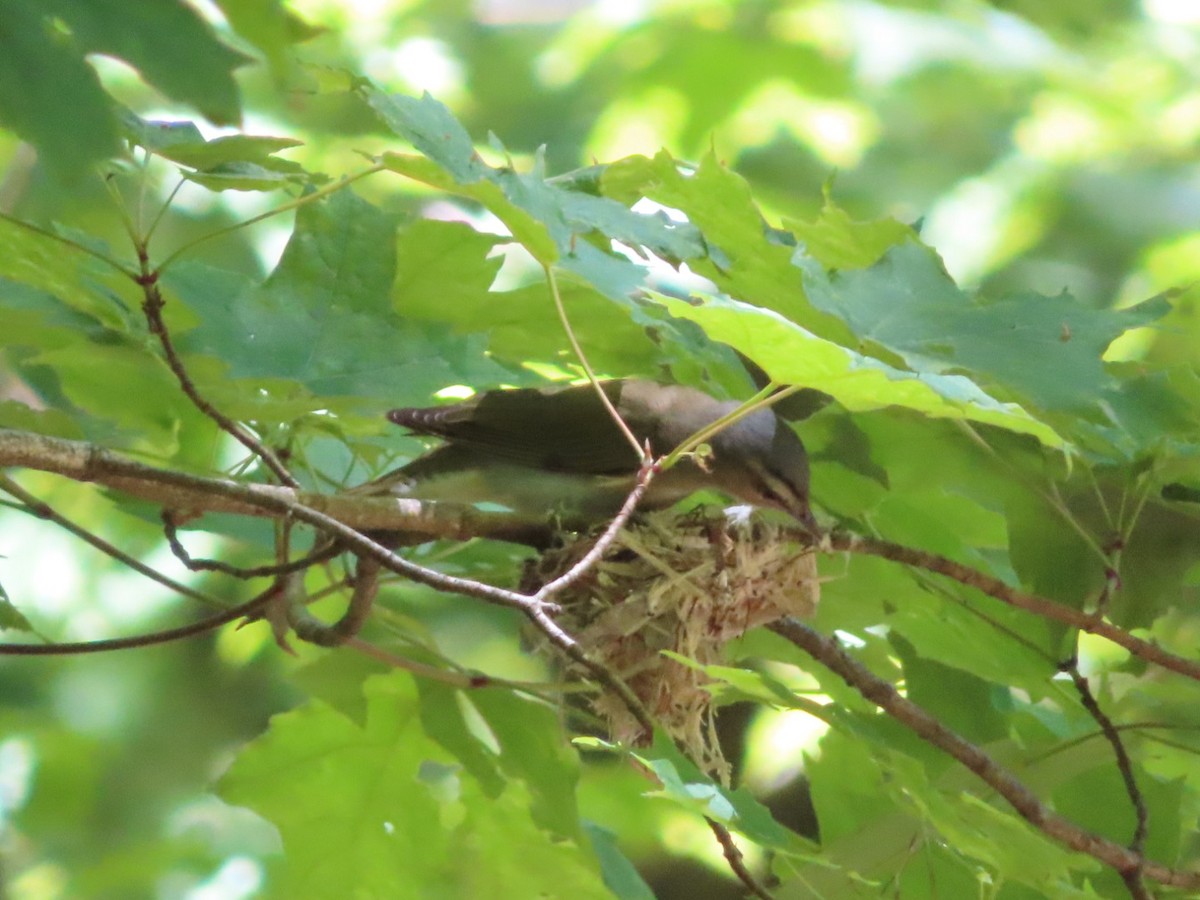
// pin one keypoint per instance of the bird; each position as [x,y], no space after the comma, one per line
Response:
[557,451]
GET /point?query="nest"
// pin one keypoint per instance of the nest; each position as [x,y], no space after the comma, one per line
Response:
[689,586]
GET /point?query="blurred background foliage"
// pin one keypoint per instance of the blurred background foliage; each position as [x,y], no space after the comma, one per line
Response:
[1044,146]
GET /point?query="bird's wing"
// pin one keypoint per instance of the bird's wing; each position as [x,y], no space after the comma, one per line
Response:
[562,430]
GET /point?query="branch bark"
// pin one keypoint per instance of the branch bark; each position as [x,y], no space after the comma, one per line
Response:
[195,494]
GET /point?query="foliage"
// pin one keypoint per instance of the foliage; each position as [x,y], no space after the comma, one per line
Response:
[992,289]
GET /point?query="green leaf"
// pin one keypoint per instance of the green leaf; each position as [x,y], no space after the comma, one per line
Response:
[1050,354]
[444,716]
[336,679]
[431,128]
[11,618]
[159,136]
[270,26]
[1004,841]
[740,257]
[53,422]
[838,242]
[324,318]
[1054,562]
[233,162]
[245,176]
[50,96]
[550,220]
[60,267]
[620,876]
[445,275]
[156,38]
[534,749]
[961,701]
[986,639]
[381,807]
[234,148]
[793,355]
[444,272]
[685,785]
[138,392]
[732,684]
[1098,800]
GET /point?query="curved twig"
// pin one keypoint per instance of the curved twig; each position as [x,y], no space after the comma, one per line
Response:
[245,610]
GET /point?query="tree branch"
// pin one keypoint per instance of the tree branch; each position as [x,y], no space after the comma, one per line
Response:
[880,692]
[997,589]
[195,494]
[152,306]
[1137,843]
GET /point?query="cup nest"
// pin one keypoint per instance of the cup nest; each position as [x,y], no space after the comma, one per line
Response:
[687,585]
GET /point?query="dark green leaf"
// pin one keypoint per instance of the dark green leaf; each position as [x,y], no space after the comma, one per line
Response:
[1051,350]
[383,807]
[620,876]
[50,96]
[324,317]
[173,48]
[11,618]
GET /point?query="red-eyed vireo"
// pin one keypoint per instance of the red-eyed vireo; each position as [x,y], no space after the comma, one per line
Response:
[542,451]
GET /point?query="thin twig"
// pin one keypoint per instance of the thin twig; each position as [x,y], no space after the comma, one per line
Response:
[162,211]
[733,856]
[536,610]
[322,554]
[556,296]
[1138,842]
[38,508]
[152,306]
[131,229]
[997,589]
[884,695]
[247,609]
[309,628]
[293,204]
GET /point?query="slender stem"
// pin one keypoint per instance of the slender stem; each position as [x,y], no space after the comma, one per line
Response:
[556,295]
[321,554]
[1124,764]
[152,306]
[131,229]
[298,202]
[710,430]
[162,211]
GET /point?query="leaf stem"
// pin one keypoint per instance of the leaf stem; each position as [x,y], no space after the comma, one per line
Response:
[293,204]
